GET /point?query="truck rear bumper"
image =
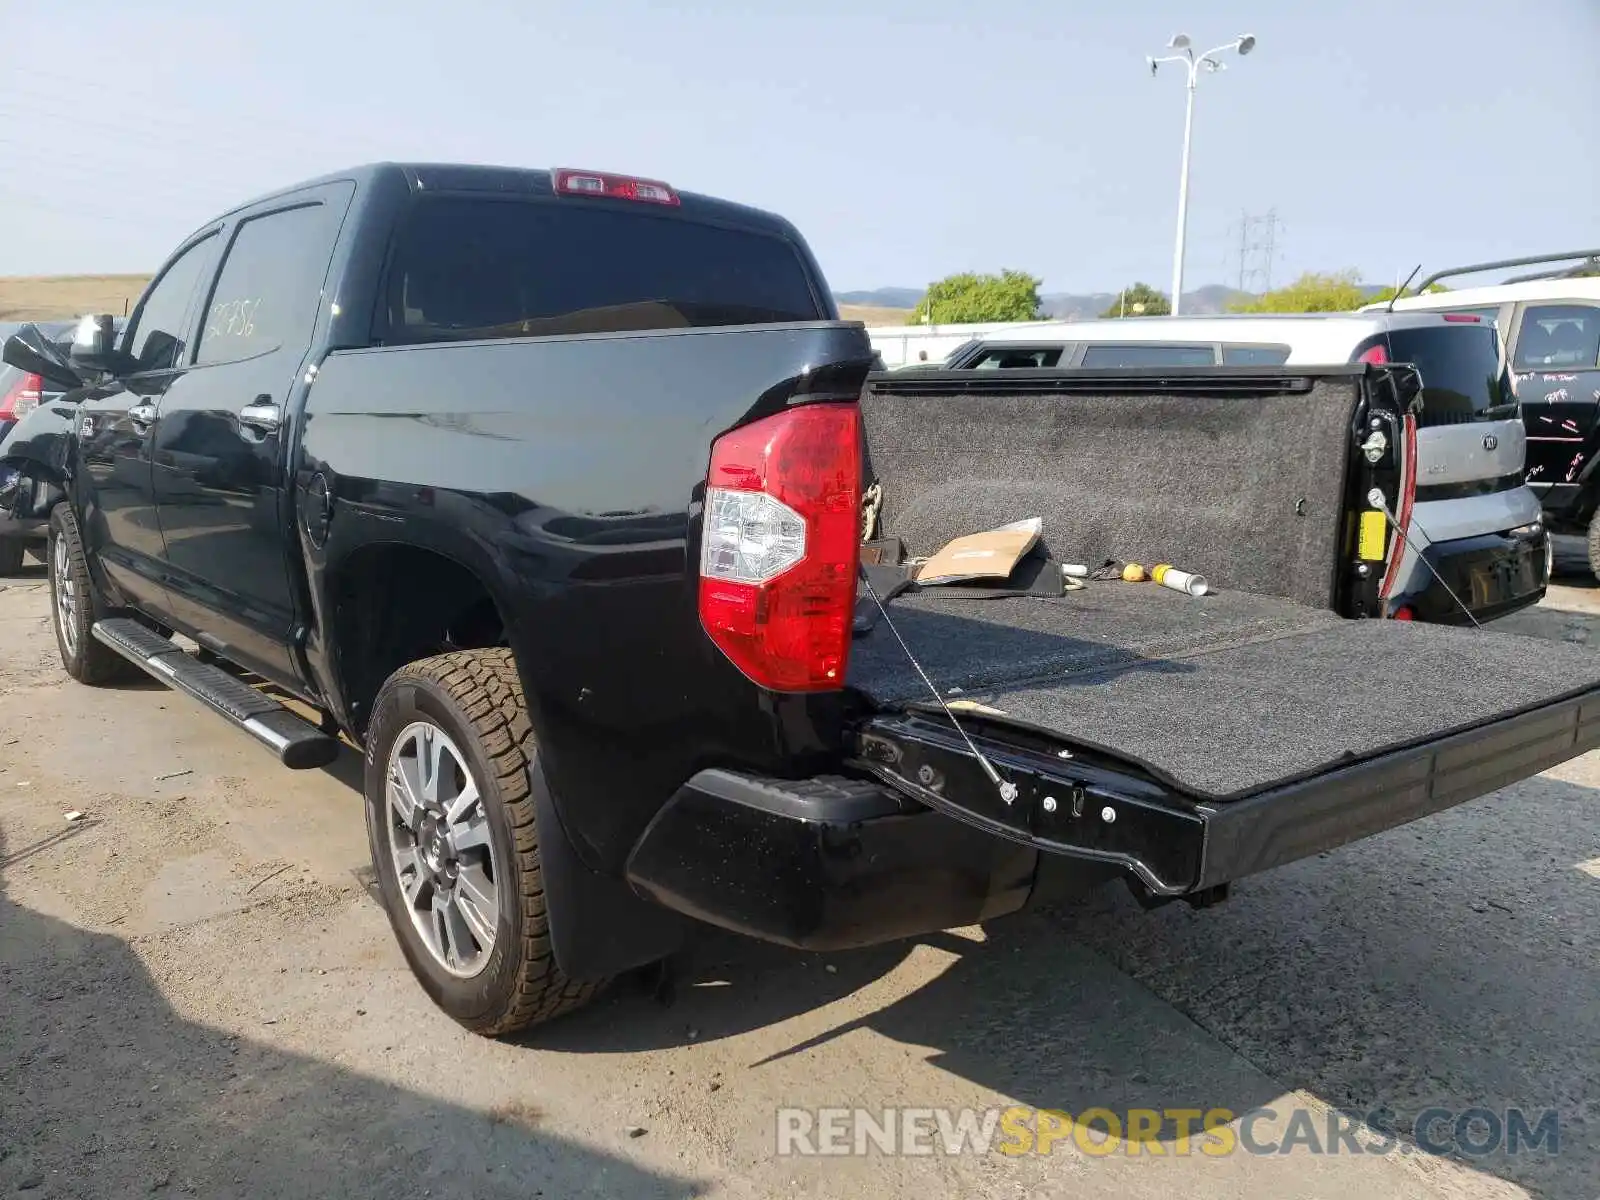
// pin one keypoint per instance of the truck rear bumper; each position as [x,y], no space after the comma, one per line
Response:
[834,863]
[823,864]
[1079,805]
[1492,575]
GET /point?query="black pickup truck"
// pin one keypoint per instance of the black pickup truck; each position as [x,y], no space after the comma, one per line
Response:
[546,489]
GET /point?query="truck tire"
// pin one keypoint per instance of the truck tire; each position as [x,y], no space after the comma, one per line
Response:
[1594,545]
[75,606]
[459,872]
[11,556]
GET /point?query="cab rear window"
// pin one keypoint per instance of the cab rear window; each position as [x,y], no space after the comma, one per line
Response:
[476,268]
[1462,370]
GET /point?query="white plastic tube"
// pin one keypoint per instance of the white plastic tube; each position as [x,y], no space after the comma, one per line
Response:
[1181,581]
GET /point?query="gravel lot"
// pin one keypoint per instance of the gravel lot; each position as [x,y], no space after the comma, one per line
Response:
[197,995]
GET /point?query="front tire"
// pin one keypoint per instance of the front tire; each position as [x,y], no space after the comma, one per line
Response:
[75,606]
[450,818]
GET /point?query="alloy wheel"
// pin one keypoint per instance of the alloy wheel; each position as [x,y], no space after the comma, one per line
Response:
[66,595]
[444,859]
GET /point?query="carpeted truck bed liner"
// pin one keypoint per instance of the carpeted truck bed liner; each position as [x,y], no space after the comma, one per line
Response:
[1222,696]
[1245,488]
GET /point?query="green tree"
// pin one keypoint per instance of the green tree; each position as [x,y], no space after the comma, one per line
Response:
[1140,300]
[1313,292]
[970,298]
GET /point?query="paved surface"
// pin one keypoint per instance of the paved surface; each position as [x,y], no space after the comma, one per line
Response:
[198,996]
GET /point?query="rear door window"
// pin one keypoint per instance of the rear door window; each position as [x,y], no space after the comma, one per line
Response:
[1007,358]
[1556,336]
[1463,372]
[1254,356]
[270,287]
[464,267]
[1136,354]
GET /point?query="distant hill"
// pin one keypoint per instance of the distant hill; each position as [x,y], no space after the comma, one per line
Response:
[889,297]
[62,297]
[1065,306]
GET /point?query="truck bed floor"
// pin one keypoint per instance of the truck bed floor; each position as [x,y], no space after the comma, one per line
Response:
[1221,696]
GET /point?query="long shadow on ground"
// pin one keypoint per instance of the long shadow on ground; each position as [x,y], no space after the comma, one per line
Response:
[105,1091]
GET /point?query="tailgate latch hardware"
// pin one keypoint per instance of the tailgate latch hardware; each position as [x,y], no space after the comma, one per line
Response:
[1108,814]
[1375,447]
[1049,804]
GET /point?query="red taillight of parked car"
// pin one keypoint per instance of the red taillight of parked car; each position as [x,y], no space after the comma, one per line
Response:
[1377,355]
[22,398]
[782,545]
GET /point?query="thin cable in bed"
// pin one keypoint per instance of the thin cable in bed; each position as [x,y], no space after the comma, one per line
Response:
[1007,789]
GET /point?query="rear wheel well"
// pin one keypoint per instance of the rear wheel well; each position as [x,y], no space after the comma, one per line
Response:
[396,604]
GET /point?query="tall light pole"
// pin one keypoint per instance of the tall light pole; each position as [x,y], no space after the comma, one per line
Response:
[1210,63]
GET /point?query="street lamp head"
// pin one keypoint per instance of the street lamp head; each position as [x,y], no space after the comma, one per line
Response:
[1247,43]
[1180,41]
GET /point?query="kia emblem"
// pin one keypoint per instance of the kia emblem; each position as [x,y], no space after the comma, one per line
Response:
[1490,442]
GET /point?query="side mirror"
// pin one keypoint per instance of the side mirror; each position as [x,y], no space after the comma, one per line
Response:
[30,350]
[94,348]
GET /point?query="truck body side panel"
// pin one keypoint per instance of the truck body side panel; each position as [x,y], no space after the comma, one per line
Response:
[567,474]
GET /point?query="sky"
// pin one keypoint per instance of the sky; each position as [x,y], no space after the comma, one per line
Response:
[906,138]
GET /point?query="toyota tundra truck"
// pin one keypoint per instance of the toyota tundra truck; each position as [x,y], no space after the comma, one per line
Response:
[547,490]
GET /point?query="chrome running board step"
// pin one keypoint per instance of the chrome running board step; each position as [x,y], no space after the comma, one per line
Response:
[296,742]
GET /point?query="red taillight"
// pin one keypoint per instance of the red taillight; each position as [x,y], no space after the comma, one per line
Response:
[782,544]
[1464,318]
[569,182]
[1377,355]
[22,399]
[1403,614]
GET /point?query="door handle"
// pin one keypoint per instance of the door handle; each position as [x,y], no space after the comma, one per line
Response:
[261,414]
[142,414]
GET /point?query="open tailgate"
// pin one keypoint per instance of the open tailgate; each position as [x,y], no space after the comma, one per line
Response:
[1195,759]
[1189,739]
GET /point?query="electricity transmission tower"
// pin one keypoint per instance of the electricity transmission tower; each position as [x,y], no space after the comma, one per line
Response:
[1258,242]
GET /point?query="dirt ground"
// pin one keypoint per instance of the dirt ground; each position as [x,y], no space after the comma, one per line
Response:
[198,996]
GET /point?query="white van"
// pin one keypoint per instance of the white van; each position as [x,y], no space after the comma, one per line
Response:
[1551,325]
[1474,518]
